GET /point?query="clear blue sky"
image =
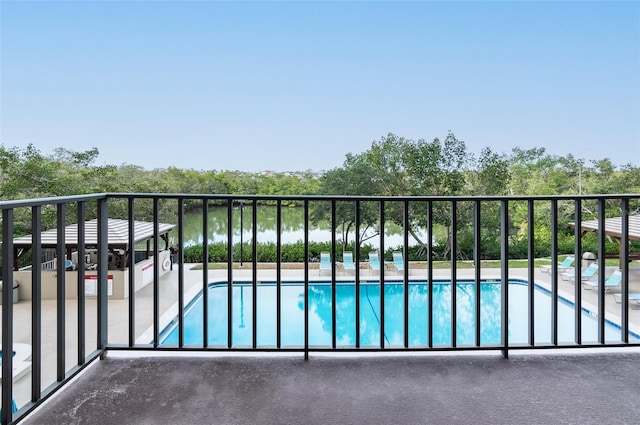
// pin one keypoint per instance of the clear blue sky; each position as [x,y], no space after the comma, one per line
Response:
[292,86]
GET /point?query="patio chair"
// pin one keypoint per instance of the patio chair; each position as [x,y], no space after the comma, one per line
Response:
[566,264]
[374,261]
[347,261]
[587,274]
[612,282]
[398,261]
[325,262]
[634,299]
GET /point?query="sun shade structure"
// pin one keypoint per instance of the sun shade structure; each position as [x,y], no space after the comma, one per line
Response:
[613,228]
[118,238]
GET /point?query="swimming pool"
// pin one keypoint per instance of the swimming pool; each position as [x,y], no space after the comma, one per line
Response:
[320,315]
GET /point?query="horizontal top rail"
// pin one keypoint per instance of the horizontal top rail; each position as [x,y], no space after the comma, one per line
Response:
[367,198]
[54,200]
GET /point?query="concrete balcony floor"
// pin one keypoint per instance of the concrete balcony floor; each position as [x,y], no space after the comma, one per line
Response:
[546,388]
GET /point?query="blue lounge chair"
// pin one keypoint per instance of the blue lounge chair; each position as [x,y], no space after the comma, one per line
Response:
[566,264]
[634,299]
[398,261]
[587,273]
[374,261]
[347,261]
[325,262]
[610,283]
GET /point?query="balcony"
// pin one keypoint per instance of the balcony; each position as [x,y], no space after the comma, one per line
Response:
[121,312]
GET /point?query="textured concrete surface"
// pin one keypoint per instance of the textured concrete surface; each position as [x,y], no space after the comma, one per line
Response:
[430,389]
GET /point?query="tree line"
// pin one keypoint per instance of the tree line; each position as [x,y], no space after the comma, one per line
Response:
[392,166]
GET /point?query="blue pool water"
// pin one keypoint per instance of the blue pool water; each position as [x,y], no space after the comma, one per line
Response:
[320,323]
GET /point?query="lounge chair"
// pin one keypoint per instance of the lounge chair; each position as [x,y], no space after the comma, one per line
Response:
[325,262]
[566,264]
[398,261]
[347,261]
[634,299]
[587,274]
[610,283]
[374,261]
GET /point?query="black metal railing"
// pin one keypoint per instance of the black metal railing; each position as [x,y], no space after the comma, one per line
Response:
[474,222]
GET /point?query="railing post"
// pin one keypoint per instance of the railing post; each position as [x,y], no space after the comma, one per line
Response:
[554,272]
[578,272]
[357,288]
[430,273]
[601,266]
[36,303]
[454,272]
[80,287]
[60,295]
[156,273]
[477,247]
[382,267]
[531,270]
[132,273]
[504,254]
[333,274]
[306,279]
[205,272]
[7,315]
[103,261]
[624,261]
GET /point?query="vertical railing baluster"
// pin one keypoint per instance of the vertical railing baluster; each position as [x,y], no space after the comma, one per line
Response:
[36,303]
[156,273]
[205,272]
[132,272]
[554,272]
[454,273]
[306,279]
[7,314]
[531,270]
[103,260]
[601,266]
[577,290]
[624,261]
[357,291]
[254,271]
[405,259]
[180,272]
[504,268]
[477,239]
[80,283]
[230,273]
[333,273]
[279,273]
[60,288]
[430,273]
[382,248]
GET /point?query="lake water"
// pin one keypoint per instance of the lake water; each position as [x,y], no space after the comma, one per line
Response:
[292,228]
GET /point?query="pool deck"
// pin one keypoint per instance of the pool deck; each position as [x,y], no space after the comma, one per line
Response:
[563,386]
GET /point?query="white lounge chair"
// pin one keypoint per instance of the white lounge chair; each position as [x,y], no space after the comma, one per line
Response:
[587,274]
[566,264]
[610,283]
[374,261]
[634,299]
[347,261]
[398,261]
[325,262]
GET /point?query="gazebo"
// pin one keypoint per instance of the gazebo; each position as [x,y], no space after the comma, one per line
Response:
[121,257]
[118,240]
[613,228]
